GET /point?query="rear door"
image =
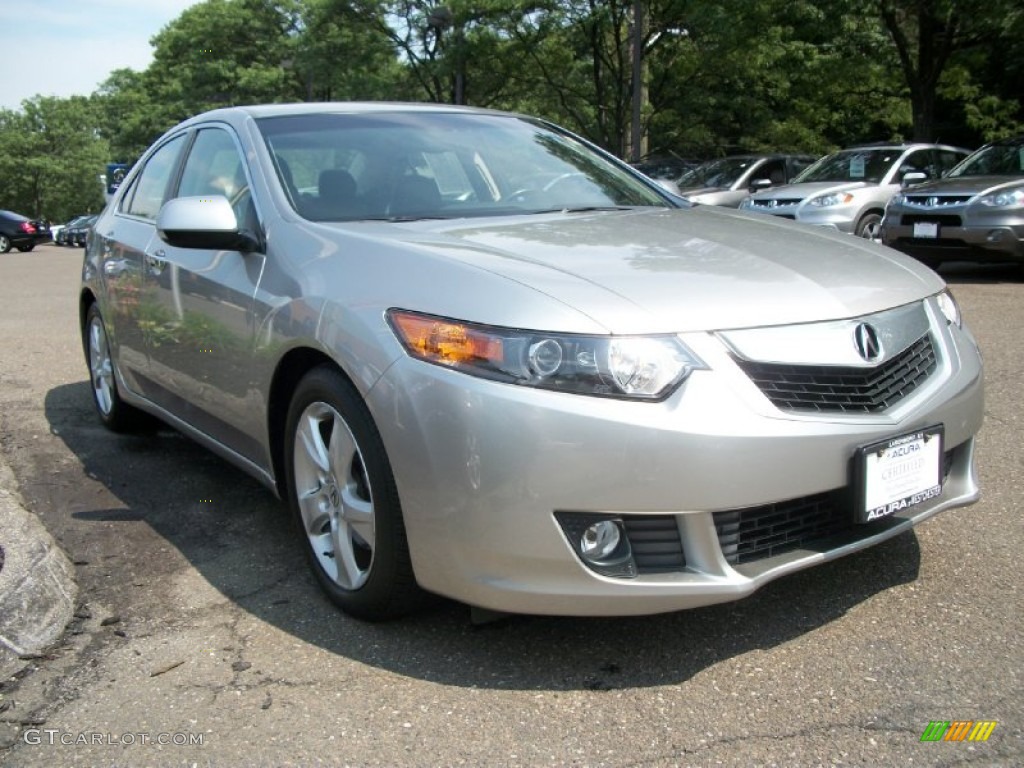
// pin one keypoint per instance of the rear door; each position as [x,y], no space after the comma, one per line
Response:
[123,240]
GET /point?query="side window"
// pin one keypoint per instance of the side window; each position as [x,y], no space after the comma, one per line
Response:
[214,167]
[773,170]
[919,161]
[151,186]
[947,160]
[798,165]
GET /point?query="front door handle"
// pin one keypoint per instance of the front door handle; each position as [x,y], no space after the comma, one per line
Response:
[156,262]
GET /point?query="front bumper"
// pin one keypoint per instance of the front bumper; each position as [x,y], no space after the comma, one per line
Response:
[483,469]
[958,236]
[840,218]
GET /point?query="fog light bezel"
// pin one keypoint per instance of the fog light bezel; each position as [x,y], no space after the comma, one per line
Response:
[619,563]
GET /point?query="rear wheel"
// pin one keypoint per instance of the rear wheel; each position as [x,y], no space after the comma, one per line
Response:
[5,243]
[115,414]
[343,497]
[26,248]
[870,226]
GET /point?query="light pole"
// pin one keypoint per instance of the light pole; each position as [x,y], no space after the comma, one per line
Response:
[637,44]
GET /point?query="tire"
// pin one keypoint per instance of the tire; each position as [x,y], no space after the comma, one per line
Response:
[870,226]
[26,248]
[343,499]
[115,414]
[5,244]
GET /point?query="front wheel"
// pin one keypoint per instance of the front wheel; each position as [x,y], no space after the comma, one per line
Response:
[115,414]
[870,226]
[343,498]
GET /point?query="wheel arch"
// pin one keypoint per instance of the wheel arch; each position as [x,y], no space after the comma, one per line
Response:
[85,300]
[290,370]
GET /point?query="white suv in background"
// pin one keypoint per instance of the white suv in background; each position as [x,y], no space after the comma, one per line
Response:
[848,190]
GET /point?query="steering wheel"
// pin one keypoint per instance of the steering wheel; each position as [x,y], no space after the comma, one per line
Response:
[562,179]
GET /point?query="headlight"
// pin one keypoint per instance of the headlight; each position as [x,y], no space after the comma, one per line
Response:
[1004,198]
[949,308]
[635,367]
[836,198]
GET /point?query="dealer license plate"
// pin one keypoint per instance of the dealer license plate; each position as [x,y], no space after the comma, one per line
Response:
[927,229]
[899,472]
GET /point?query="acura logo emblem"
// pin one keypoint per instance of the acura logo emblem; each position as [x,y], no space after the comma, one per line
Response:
[932,202]
[865,337]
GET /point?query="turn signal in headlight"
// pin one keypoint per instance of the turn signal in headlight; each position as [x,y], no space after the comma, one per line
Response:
[640,367]
[949,308]
[835,198]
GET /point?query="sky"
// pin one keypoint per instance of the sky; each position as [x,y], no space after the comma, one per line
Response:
[68,47]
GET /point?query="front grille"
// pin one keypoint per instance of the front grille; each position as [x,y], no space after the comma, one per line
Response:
[776,203]
[759,532]
[946,220]
[842,388]
[655,541]
[933,201]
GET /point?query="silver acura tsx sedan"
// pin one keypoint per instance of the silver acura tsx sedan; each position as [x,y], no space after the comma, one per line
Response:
[481,358]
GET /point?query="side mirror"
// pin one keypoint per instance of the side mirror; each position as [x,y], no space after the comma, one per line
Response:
[758,184]
[914,177]
[203,222]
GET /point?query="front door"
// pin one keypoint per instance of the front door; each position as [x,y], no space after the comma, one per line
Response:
[202,362]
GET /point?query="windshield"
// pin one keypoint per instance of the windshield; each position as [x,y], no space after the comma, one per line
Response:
[717,173]
[869,165]
[1005,158]
[409,165]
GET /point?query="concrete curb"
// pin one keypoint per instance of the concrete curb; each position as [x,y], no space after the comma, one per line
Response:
[37,581]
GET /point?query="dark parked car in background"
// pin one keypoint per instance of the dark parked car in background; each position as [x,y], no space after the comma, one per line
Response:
[21,232]
[60,232]
[728,180]
[848,190]
[976,212]
[77,232]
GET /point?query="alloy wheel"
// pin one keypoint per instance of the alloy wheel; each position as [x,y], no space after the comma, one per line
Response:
[333,493]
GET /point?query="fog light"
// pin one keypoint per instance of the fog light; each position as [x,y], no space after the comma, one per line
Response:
[600,540]
[995,236]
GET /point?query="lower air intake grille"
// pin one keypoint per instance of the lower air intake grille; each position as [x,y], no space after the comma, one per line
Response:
[754,533]
[759,532]
[655,541]
[844,388]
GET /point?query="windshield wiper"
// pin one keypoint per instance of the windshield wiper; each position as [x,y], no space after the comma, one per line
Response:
[587,209]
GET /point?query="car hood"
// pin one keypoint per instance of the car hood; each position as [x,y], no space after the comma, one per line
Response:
[964,185]
[809,189]
[666,271]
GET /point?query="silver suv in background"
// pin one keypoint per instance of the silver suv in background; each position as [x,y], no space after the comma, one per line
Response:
[976,212]
[848,190]
[728,180]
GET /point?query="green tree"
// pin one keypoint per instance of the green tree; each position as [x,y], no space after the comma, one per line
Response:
[224,52]
[51,158]
[932,36]
[344,51]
